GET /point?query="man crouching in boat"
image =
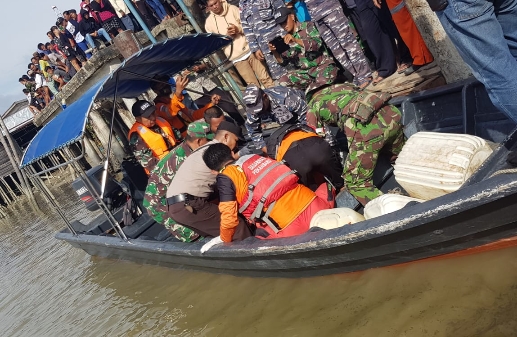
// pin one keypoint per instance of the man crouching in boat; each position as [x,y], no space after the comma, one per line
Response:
[190,195]
[170,106]
[155,201]
[370,125]
[150,137]
[265,192]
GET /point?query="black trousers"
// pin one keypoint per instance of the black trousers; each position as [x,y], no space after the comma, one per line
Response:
[205,219]
[379,31]
[231,109]
[312,156]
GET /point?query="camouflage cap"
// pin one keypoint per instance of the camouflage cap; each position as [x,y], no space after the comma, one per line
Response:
[200,130]
[253,99]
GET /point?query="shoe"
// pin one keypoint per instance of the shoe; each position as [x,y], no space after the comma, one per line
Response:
[413,68]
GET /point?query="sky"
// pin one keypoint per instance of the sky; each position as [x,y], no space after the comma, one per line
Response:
[24,24]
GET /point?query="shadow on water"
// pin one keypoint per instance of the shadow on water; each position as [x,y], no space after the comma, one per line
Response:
[52,289]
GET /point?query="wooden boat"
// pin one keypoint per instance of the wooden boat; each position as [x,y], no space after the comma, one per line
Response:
[479,215]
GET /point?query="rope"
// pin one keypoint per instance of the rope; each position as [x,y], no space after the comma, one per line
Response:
[506,171]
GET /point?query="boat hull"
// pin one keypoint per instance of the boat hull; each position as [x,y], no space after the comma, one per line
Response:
[475,216]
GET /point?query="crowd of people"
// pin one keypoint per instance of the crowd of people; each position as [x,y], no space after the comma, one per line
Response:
[72,41]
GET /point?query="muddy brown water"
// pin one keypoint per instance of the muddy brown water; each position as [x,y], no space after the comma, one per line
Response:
[48,288]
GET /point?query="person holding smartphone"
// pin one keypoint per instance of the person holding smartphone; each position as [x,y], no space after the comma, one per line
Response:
[225,19]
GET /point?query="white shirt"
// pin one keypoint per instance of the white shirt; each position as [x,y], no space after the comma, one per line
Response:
[40,81]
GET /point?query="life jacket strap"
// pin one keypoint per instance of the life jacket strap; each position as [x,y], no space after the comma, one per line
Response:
[251,187]
[258,211]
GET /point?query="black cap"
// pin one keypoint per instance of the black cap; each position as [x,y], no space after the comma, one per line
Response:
[143,108]
[231,127]
[59,20]
[284,13]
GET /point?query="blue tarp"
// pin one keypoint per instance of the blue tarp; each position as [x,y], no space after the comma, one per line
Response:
[169,57]
[66,128]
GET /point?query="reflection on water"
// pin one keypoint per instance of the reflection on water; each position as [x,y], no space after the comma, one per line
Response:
[49,288]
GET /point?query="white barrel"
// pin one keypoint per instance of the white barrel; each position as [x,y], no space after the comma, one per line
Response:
[433,164]
[385,204]
[335,217]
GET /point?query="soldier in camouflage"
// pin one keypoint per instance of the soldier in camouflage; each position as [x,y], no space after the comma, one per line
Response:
[370,125]
[313,66]
[259,27]
[335,30]
[282,105]
[155,201]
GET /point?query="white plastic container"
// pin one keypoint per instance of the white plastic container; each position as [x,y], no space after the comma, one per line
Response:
[385,204]
[335,217]
[433,164]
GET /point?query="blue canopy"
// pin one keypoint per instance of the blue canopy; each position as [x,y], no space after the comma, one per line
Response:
[169,57]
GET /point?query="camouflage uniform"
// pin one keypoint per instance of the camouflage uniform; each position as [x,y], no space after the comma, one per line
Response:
[142,152]
[365,141]
[259,26]
[287,105]
[313,70]
[155,200]
[339,37]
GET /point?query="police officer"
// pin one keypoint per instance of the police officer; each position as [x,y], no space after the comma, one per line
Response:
[150,137]
[198,134]
[189,194]
[259,27]
[282,105]
[370,125]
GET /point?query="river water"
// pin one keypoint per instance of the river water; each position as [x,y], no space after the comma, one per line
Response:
[48,288]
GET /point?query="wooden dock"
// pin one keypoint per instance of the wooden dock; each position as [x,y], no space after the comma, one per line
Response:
[427,77]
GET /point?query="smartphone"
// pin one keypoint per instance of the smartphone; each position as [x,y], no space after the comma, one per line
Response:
[279,44]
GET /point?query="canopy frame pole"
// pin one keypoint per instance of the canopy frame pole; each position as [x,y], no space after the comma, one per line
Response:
[50,198]
[110,138]
[162,82]
[133,10]
[100,202]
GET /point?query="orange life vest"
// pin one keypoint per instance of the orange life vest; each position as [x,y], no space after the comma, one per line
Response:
[268,181]
[154,140]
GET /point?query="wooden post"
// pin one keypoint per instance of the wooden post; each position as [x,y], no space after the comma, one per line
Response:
[4,195]
[8,189]
[102,131]
[16,183]
[92,156]
[15,160]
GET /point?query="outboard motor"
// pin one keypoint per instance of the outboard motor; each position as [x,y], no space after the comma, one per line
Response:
[114,196]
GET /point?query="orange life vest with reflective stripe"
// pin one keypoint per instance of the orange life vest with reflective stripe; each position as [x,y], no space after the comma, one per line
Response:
[154,140]
[268,180]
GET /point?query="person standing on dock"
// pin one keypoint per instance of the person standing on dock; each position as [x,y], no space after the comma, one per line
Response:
[150,137]
[155,201]
[225,19]
[259,27]
[335,30]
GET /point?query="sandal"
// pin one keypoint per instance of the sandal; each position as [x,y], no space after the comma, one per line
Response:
[377,80]
[366,83]
[401,68]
